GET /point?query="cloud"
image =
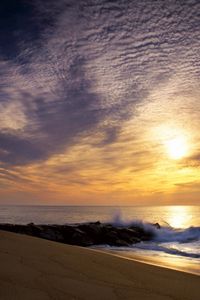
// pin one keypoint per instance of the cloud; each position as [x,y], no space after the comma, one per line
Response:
[74,69]
[18,151]
[12,116]
[192,161]
[52,125]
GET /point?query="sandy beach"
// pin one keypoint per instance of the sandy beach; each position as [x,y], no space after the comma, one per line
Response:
[33,268]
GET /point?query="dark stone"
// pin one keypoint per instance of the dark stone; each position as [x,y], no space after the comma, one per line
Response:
[157,225]
[121,243]
[87,234]
[127,235]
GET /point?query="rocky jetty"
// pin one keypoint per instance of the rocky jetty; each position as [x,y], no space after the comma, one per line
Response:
[86,234]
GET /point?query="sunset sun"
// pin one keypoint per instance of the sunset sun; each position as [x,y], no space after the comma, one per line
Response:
[176,147]
[174,140]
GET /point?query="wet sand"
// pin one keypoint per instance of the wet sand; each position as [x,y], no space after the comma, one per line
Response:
[182,264]
[33,268]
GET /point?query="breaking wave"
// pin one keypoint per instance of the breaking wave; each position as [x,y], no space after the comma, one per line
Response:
[187,235]
[162,233]
[183,242]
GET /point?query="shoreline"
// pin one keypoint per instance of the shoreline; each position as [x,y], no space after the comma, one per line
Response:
[149,261]
[33,268]
[117,240]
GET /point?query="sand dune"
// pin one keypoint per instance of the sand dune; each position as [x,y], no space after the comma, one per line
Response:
[32,268]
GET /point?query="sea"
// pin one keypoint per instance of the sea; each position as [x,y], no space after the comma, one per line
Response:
[175,245]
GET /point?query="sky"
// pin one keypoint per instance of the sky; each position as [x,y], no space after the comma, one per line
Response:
[99,102]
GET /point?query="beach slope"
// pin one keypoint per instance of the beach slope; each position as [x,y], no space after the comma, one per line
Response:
[32,268]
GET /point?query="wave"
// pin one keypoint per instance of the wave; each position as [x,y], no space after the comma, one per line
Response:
[165,238]
[169,249]
[187,235]
[162,233]
[152,246]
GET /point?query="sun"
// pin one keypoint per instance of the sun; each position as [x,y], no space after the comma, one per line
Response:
[176,147]
[175,141]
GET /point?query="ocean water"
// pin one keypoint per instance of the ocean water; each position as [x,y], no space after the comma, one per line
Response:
[175,245]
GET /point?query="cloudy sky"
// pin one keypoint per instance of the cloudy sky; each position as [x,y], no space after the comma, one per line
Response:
[99,102]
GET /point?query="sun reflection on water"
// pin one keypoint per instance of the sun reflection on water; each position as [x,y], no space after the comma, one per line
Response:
[179,216]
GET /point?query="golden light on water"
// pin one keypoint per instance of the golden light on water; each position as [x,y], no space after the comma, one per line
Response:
[179,216]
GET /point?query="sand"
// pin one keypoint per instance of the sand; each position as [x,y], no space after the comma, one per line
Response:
[32,268]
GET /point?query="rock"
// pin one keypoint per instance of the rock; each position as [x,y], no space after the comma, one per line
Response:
[51,234]
[127,235]
[92,229]
[109,238]
[80,238]
[87,234]
[157,225]
[31,224]
[141,233]
[121,243]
